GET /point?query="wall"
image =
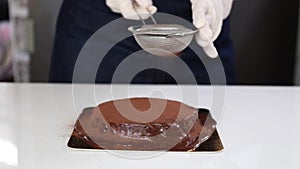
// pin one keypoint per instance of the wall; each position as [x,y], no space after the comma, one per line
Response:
[44,13]
[264,34]
[297,70]
[263,31]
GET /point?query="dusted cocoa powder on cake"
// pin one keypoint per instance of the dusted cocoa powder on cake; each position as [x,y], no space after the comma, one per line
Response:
[144,124]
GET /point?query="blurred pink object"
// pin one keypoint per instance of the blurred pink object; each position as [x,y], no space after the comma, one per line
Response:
[6,72]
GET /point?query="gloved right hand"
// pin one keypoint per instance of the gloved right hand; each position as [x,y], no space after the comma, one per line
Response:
[125,7]
[208,17]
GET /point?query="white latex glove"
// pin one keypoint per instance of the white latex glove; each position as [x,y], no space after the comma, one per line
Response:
[125,7]
[208,16]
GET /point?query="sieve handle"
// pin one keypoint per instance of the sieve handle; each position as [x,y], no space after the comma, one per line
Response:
[152,18]
[134,4]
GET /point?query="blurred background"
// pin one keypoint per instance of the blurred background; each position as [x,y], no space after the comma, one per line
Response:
[265,36]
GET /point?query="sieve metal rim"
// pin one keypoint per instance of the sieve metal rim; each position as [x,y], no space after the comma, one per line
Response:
[162,30]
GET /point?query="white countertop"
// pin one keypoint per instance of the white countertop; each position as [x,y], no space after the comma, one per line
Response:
[258,128]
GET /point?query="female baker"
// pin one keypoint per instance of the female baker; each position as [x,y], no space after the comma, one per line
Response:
[79,19]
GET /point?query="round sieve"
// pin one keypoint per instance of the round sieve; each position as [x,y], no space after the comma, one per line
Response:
[163,39]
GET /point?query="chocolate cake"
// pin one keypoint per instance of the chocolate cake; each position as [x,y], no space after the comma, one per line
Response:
[144,124]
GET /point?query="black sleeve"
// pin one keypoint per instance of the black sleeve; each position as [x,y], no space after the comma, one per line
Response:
[4,15]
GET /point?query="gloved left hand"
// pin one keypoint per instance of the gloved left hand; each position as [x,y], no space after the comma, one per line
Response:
[208,17]
[125,7]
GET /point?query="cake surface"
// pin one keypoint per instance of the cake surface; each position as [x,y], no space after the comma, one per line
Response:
[144,124]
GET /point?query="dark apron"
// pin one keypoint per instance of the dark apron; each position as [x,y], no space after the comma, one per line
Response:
[79,19]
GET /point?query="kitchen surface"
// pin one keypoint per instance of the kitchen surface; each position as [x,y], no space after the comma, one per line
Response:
[258,127]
